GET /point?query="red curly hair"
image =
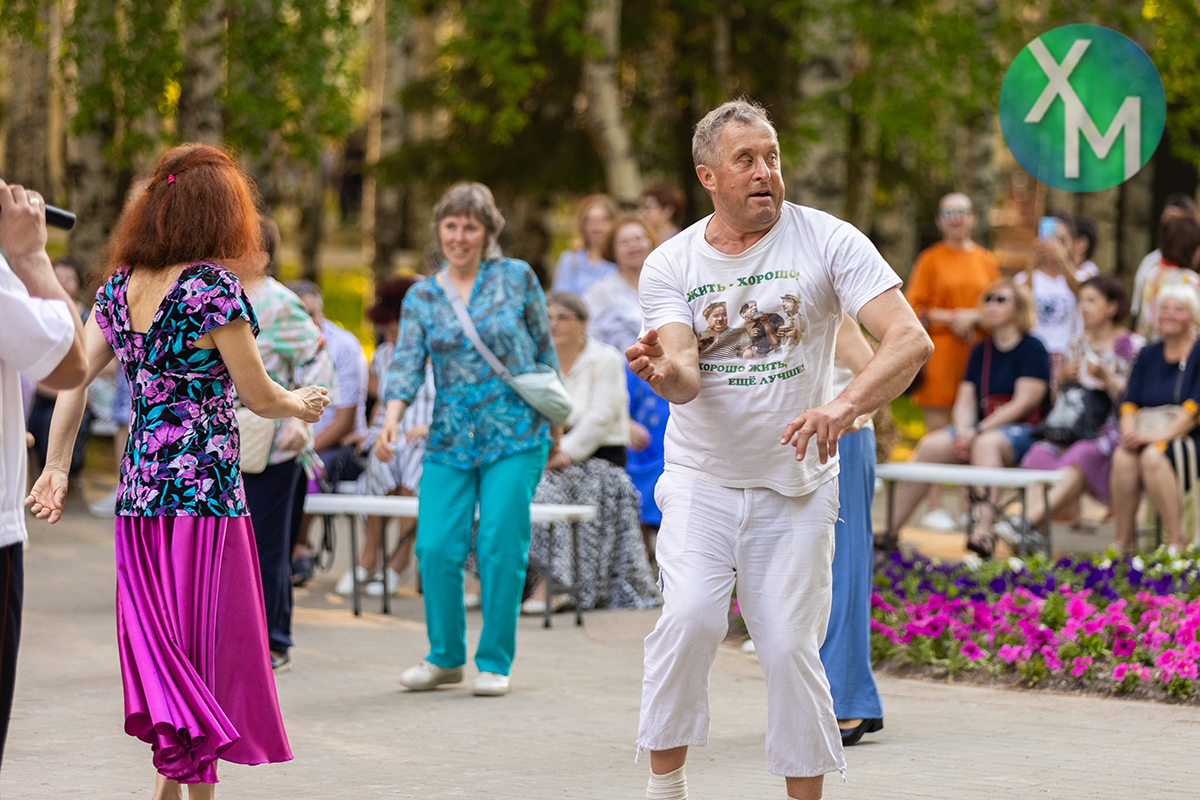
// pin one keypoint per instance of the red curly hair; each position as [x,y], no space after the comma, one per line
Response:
[198,205]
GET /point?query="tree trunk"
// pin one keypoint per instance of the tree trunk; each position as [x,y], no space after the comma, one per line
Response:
[820,180]
[896,230]
[604,120]
[1136,232]
[199,111]
[259,159]
[1104,209]
[976,174]
[26,153]
[383,203]
[92,180]
[312,221]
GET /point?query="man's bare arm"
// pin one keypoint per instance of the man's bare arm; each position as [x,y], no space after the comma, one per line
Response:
[669,360]
[903,348]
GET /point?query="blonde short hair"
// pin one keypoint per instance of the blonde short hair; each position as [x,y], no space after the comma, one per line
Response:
[1024,315]
[1183,293]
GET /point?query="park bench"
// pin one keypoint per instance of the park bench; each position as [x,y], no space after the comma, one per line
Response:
[343,502]
[977,480]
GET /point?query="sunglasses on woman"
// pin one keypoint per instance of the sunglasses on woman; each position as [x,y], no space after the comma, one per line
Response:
[997,298]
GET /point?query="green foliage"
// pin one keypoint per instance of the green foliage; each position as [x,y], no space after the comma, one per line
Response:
[1176,53]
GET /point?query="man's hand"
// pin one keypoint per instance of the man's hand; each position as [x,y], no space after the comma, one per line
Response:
[827,423]
[646,357]
[23,232]
[46,498]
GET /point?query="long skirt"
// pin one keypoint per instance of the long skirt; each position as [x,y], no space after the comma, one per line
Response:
[614,571]
[192,637]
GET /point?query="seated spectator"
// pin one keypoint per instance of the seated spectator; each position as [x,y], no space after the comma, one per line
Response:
[1002,395]
[401,475]
[1097,361]
[1180,245]
[579,268]
[343,424]
[589,470]
[1083,247]
[1160,407]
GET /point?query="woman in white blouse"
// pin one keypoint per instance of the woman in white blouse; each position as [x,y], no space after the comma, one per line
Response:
[589,469]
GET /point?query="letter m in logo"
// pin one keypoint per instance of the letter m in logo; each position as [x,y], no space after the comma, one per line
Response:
[1077,120]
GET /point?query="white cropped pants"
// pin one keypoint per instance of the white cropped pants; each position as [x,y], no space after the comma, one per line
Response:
[778,550]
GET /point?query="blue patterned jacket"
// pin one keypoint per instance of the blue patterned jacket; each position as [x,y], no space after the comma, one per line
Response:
[477,418]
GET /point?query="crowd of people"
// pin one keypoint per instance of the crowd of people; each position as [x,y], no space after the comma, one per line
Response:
[242,398]
[1040,370]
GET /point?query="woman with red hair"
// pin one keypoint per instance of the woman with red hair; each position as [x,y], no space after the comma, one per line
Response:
[191,629]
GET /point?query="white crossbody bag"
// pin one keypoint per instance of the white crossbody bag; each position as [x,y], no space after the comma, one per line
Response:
[543,390]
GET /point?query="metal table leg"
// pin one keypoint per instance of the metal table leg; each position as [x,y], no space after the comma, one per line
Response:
[353,519]
[891,537]
[383,570]
[1023,547]
[575,573]
[1046,519]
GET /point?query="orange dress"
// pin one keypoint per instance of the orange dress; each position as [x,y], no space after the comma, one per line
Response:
[946,278]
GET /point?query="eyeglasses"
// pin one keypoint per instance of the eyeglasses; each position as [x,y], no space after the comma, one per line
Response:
[997,298]
[954,213]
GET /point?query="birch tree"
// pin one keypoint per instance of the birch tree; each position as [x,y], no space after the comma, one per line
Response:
[604,115]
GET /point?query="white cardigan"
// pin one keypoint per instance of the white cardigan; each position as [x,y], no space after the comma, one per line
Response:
[597,387]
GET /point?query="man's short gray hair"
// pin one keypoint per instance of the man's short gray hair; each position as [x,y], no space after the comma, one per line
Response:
[706,139]
[470,199]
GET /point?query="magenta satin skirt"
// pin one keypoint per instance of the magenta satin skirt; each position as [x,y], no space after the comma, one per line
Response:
[192,634]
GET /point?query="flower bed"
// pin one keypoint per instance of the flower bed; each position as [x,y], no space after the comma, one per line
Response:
[1127,626]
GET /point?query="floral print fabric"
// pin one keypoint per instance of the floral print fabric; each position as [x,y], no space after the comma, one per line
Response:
[477,418]
[182,456]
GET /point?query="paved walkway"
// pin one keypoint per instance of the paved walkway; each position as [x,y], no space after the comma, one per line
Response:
[566,731]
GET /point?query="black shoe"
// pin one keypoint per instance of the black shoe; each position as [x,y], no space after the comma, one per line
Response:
[852,735]
[281,661]
[984,546]
[302,570]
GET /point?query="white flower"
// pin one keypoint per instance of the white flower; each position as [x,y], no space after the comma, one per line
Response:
[1137,563]
[972,561]
[1106,563]
[1016,564]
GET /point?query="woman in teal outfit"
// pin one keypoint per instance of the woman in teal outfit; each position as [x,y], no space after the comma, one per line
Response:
[486,446]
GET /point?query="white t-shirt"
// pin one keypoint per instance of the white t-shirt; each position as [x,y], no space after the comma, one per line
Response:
[350,371]
[34,338]
[1054,303]
[757,376]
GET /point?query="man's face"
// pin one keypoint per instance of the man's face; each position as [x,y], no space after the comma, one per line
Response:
[790,306]
[746,184]
[751,311]
[718,319]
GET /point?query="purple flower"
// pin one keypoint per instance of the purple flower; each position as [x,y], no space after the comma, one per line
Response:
[1081,665]
[971,650]
[1123,648]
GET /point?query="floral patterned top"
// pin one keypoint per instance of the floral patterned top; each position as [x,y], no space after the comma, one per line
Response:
[477,418]
[182,456]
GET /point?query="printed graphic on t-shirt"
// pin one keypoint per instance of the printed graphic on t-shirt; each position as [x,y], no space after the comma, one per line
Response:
[765,330]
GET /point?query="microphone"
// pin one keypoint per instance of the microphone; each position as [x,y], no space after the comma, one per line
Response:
[59,218]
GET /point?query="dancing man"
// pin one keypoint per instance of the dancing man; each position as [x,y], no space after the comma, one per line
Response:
[739,504]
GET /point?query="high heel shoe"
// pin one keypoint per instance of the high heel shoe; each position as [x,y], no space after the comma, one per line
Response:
[852,735]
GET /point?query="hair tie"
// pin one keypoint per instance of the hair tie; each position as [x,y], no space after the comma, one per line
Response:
[170,179]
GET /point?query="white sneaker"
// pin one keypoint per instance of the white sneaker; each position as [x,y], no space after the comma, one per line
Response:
[375,587]
[491,684]
[533,607]
[939,520]
[1004,529]
[345,584]
[426,676]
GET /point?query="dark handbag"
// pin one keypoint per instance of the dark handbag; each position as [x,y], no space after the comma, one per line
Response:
[990,402]
[1078,414]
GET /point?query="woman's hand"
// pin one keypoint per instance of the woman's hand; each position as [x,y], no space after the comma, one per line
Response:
[1068,372]
[962,442]
[639,437]
[386,440]
[963,322]
[294,436]
[46,498]
[1135,441]
[313,400]
[557,459]
[416,433]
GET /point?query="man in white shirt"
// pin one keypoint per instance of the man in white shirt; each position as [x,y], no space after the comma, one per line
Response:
[739,504]
[42,338]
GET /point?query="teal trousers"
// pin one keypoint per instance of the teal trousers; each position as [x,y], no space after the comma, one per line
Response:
[502,491]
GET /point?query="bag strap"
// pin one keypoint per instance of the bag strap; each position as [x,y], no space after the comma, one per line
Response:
[464,319]
[987,369]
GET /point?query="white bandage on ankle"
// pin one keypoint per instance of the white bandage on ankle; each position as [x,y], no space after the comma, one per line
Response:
[672,786]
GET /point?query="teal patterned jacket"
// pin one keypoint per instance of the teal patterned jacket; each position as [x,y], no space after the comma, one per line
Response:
[477,418]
